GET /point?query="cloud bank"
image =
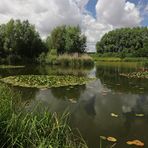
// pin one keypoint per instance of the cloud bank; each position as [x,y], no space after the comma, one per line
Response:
[47,14]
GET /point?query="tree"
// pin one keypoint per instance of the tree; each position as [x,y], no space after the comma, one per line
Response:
[20,39]
[67,39]
[127,41]
[75,41]
[58,39]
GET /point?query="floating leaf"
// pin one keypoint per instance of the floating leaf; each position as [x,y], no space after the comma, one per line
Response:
[135,142]
[139,115]
[103,137]
[111,139]
[72,101]
[114,115]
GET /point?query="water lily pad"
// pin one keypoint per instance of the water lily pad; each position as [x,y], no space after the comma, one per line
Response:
[139,115]
[103,137]
[111,139]
[45,81]
[73,101]
[114,115]
[135,142]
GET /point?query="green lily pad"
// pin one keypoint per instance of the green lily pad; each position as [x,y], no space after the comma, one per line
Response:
[45,81]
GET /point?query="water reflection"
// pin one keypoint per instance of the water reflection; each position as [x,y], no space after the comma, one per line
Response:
[91,114]
[110,76]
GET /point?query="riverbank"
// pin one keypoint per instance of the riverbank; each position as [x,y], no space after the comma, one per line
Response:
[33,129]
[96,58]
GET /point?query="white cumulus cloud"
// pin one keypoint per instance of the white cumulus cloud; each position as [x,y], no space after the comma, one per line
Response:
[47,14]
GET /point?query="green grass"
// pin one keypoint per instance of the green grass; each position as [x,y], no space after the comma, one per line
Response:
[45,81]
[135,59]
[33,129]
[97,57]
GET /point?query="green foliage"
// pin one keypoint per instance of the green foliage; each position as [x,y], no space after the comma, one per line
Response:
[19,40]
[126,42]
[45,81]
[33,129]
[48,58]
[67,39]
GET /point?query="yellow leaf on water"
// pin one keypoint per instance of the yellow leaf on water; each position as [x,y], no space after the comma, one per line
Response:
[135,142]
[72,101]
[111,139]
[139,115]
[114,115]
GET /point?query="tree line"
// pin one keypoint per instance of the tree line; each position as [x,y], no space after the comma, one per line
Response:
[19,41]
[124,42]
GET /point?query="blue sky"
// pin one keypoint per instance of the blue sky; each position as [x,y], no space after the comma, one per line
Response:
[92,4]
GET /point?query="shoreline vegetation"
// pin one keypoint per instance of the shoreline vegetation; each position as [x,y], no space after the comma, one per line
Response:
[98,58]
[70,60]
[33,129]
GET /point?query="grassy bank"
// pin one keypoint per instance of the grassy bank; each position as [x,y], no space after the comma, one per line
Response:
[33,129]
[96,58]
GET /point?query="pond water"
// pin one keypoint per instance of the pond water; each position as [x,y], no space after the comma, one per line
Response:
[95,101]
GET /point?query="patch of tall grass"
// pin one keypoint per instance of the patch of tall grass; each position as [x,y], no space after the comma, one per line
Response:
[97,57]
[135,59]
[75,60]
[33,129]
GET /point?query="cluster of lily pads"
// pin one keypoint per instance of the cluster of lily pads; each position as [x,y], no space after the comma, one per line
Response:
[142,74]
[45,81]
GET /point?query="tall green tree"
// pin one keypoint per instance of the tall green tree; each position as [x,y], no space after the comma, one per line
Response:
[128,41]
[75,41]
[20,39]
[58,39]
[67,39]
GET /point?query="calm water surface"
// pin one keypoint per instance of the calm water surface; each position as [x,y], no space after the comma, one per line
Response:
[91,114]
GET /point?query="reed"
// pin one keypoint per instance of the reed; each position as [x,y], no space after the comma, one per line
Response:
[33,129]
[75,60]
